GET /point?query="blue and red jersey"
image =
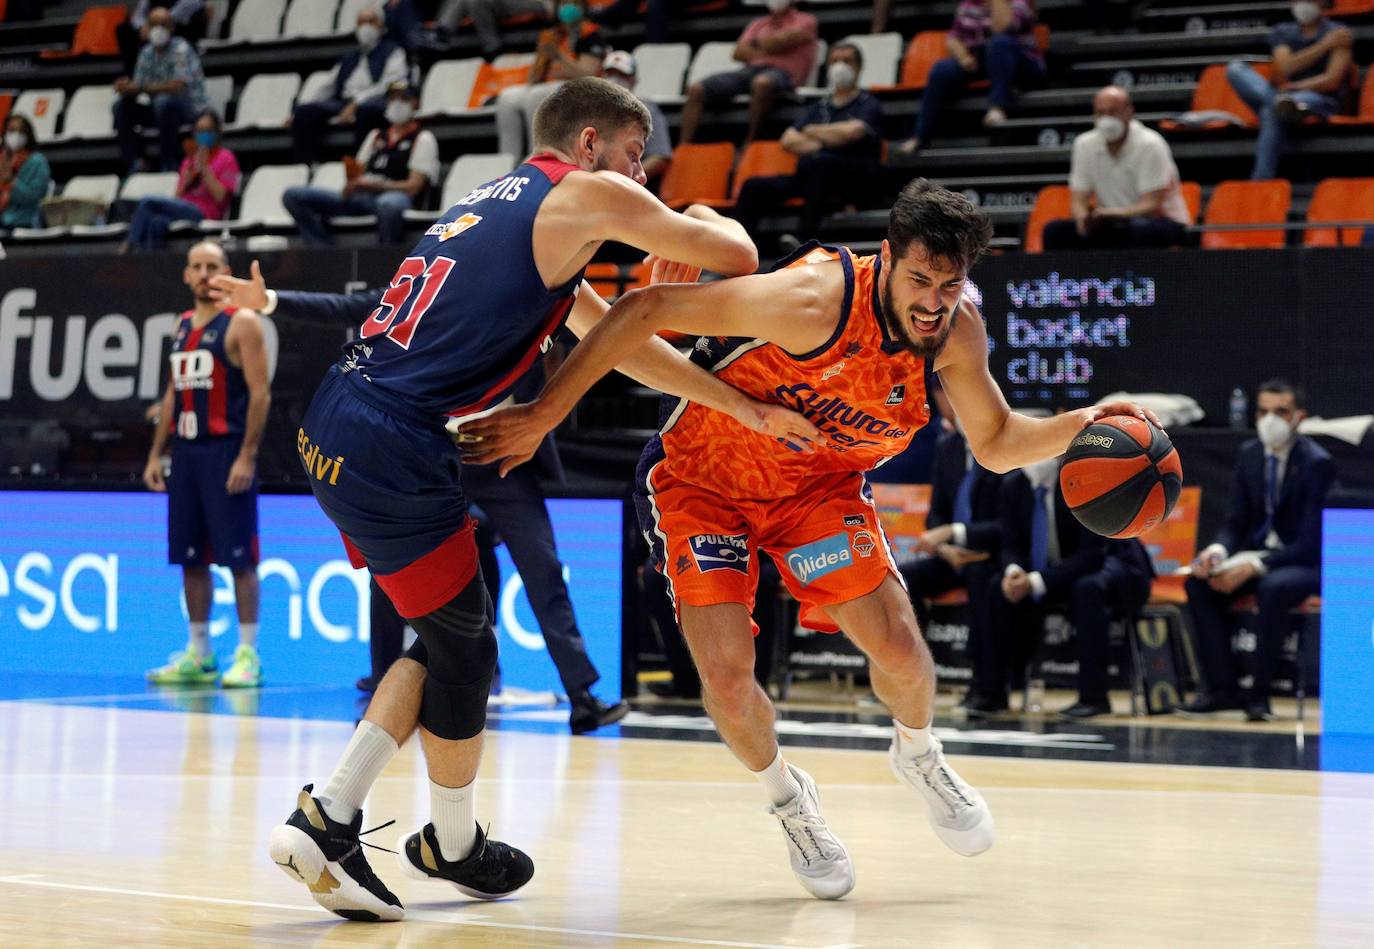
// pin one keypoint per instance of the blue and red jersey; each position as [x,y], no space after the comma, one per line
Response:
[211,396]
[467,313]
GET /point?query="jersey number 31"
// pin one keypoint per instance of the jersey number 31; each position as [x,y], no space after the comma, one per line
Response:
[402,308]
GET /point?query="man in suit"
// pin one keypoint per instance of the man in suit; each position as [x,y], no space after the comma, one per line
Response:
[514,506]
[1269,545]
[963,537]
[1051,561]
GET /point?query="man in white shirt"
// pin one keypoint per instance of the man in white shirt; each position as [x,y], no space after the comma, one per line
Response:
[357,89]
[1124,183]
[394,170]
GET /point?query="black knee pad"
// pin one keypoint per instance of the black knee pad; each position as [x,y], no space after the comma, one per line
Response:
[458,645]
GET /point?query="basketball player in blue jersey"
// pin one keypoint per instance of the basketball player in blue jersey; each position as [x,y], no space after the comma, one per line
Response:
[214,410]
[468,313]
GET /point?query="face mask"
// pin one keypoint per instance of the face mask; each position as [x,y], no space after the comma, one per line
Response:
[1112,128]
[1274,432]
[399,112]
[159,36]
[569,13]
[206,139]
[777,6]
[16,141]
[368,35]
[1305,12]
[842,76]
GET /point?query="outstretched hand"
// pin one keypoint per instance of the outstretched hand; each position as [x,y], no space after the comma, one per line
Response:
[236,291]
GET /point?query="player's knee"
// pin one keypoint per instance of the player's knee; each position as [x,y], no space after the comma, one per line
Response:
[728,687]
[900,651]
[461,655]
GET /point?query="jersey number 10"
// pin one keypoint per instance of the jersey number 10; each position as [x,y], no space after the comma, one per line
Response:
[398,301]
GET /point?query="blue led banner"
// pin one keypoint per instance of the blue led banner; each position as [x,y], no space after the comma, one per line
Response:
[1348,622]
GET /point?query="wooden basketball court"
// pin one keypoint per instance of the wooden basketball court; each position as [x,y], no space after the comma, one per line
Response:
[149,829]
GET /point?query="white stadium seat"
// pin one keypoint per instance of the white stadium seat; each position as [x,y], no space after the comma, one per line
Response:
[261,205]
[42,107]
[347,20]
[465,174]
[315,84]
[661,69]
[448,87]
[219,90]
[99,188]
[309,18]
[255,21]
[266,101]
[90,114]
[882,57]
[329,176]
[712,58]
[162,184]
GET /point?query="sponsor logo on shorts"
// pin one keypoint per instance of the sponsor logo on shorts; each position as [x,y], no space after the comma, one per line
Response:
[854,520]
[897,395]
[682,564]
[817,559]
[317,463]
[1097,441]
[721,552]
[862,542]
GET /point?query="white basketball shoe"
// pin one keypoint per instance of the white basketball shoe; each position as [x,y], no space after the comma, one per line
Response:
[958,814]
[819,860]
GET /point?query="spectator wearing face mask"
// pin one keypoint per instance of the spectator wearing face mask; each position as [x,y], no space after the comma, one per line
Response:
[837,141]
[1310,76]
[620,68]
[206,186]
[1269,545]
[573,48]
[394,170]
[356,92]
[1124,184]
[775,53]
[169,75]
[24,175]
[188,16]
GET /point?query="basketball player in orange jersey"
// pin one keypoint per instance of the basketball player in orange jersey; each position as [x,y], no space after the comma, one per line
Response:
[845,341]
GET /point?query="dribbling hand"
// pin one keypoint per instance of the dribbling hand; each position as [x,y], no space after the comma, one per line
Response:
[1094,412]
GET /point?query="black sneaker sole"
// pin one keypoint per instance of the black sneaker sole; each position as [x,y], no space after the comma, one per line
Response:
[420,873]
[301,859]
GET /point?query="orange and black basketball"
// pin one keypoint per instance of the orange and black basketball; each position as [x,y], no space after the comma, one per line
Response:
[1121,476]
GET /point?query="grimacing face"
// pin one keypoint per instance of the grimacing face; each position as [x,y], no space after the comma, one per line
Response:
[920,297]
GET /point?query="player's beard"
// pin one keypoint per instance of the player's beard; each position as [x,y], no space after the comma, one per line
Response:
[206,294]
[899,327]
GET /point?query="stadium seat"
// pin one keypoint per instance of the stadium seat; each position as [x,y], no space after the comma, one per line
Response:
[502,73]
[1247,202]
[95,34]
[261,205]
[98,188]
[254,21]
[925,50]
[329,175]
[6,102]
[662,67]
[90,114]
[162,184]
[266,101]
[882,54]
[1364,114]
[1340,199]
[314,85]
[42,107]
[347,20]
[1348,8]
[1051,204]
[448,87]
[309,18]
[464,175]
[1214,94]
[1192,196]
[698,173]
[759,160]
[219,90]
[710,59]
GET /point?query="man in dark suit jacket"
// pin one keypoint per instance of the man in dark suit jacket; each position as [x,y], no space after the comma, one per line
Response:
[963,536]
[513,506]
[1051,560]
[1270,545]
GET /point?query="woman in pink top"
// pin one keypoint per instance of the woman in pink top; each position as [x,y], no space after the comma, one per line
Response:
[206,186]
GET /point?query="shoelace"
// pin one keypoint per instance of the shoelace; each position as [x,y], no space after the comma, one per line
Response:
[364,833]
[800,828]
[939,780]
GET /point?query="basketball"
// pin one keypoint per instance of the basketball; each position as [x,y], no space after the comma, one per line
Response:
[1121,476]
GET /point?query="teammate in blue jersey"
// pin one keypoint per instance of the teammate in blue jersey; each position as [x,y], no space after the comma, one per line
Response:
[214,410]
[468,313]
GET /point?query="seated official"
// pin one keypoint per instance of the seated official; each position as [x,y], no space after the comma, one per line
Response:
[1124,184]
[1270,545]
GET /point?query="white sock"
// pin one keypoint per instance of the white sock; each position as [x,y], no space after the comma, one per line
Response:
[199,642]
[778,781]
[450,810]
[248,635]
[366,755]
[911,742]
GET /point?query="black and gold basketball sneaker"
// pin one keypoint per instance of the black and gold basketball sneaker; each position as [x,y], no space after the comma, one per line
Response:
[493,869]
[327,856]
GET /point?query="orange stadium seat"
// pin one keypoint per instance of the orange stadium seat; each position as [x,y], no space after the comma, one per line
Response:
[491,80]
[1050,205]
[928,47]
[1364,114]
[698,173]
[1214,94]
[760,159]
[1344,8]
[1247,202]
[6,101]
[1340,199]
[1192,196]
[95,34]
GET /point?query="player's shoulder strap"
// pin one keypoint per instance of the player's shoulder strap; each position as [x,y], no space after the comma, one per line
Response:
[812,252]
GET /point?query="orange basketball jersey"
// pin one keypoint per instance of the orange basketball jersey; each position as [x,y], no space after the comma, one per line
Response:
[862,389]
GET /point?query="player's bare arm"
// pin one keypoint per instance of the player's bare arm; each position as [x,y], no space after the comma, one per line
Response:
[796,309]
[152,471]
[1003,440]
[246,348]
